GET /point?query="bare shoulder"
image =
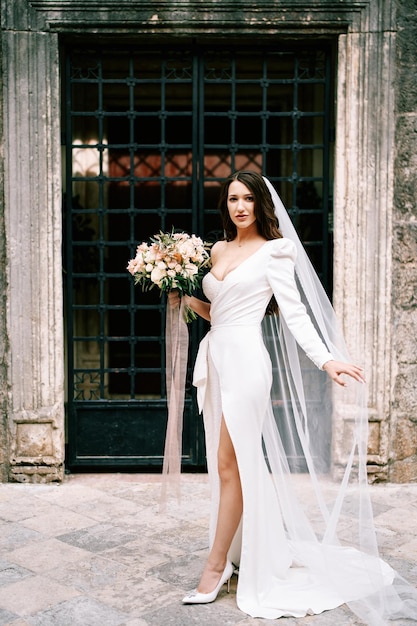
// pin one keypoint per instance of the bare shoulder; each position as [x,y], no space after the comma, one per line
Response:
[218,249]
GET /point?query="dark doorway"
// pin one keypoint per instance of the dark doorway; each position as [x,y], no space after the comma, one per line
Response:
[150,135]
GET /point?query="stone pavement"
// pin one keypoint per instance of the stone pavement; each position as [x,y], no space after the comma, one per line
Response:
[95,552]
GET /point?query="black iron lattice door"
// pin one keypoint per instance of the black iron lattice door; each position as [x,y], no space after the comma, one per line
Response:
[150,135]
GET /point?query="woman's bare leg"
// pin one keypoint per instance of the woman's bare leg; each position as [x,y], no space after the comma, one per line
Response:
[230,512]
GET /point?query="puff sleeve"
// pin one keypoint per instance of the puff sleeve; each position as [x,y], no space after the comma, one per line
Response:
[280,275]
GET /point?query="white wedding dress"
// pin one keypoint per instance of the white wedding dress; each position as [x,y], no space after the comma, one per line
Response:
[285,569]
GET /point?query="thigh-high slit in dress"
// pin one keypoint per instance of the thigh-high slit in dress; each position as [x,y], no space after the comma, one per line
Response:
[282,571]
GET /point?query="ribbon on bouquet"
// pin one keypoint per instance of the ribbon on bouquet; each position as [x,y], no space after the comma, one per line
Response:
[176,340]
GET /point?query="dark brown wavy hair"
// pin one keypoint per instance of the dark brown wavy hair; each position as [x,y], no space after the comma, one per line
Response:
[266,220]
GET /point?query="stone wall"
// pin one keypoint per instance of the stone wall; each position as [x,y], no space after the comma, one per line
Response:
[403,452]
[4,460]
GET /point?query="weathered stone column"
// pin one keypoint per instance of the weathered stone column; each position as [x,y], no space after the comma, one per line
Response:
[363,224]
[33,235]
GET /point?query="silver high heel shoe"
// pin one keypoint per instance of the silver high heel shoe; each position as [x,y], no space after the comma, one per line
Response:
[195,597]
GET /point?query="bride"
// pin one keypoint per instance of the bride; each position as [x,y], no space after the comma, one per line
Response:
[267,419]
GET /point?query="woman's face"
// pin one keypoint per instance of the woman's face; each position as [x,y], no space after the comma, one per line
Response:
[241,205]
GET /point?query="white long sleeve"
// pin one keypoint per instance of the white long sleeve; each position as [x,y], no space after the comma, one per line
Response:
[280,274]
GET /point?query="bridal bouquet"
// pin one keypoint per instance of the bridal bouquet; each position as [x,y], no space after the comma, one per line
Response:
[171,261]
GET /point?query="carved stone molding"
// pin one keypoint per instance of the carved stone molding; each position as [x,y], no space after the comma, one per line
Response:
[194,16]
[34,234]
[364,183]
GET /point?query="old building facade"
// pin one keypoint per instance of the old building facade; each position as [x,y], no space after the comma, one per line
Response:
[125,111]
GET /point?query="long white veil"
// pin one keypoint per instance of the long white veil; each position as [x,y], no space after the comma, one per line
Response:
[321,479]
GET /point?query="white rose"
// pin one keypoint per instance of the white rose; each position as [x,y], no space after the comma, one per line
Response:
[158,274]
[186,249]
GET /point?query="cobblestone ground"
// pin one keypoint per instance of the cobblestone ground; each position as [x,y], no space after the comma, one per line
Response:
[95,552]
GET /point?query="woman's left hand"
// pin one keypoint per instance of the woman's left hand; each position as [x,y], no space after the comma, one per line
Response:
[335,368]
[174,299]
